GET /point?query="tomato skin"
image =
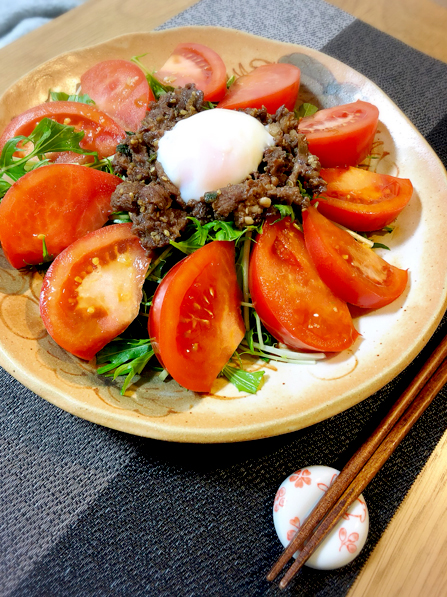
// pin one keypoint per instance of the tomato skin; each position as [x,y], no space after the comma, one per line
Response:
[271,85]
[120,89]
[102,134]
[343,135]
[362,200]
[353,271]
[195,319]
[111,264]
[195,63]
[61,202]
[295,306]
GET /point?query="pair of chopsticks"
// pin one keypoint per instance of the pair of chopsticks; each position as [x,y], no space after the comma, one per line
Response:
[365,463]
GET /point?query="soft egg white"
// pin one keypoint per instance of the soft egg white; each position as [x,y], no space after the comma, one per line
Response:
[212,149]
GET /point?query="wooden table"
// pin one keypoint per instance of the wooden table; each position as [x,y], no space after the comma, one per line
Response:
[411,558]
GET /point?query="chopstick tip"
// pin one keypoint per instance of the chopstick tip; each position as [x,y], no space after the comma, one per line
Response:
[274,571]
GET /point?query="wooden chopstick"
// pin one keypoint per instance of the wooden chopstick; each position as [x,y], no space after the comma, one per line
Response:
[366,462]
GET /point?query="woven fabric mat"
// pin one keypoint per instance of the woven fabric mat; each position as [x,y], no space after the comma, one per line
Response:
[89,511]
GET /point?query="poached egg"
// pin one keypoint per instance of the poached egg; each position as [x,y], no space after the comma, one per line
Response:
[212,149]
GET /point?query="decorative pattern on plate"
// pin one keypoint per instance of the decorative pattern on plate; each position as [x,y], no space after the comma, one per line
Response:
[292,397]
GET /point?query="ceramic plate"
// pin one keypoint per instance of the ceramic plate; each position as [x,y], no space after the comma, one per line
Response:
[293,397]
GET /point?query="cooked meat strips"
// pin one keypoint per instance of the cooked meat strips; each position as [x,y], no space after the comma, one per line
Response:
[156,209]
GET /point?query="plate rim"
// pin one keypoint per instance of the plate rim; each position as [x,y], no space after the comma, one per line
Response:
[143,426]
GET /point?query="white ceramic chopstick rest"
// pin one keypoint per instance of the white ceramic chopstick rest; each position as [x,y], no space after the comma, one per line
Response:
[295,499]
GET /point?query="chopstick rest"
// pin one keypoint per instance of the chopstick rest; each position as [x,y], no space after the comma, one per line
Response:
[295,499]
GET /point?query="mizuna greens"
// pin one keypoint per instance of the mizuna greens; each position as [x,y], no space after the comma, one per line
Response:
[132,352]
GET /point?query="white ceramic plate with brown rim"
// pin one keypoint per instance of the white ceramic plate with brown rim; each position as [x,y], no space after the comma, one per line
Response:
[293,396]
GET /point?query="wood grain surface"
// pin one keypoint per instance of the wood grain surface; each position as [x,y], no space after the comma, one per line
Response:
[421,24]
[411,557]
[90,23]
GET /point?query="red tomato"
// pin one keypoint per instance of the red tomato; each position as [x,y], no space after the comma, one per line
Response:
[60,203]
[351,269]
[195,318]
[271,85]
[195,63]
[102,134]
[120,89]
[362,200]
[92,290]
[295,306]
[341,136]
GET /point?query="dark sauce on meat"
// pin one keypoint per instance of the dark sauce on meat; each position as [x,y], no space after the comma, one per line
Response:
[156,209]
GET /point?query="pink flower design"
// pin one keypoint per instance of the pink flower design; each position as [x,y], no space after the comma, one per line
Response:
[361,516]
[279,498]
[325,487]
[348,541]
[346,515]
[300,478]
[296,525]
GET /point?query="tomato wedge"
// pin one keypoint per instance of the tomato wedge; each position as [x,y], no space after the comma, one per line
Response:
[292,301]
[353,271]
[120,89]
[271,85]
[57,203]
[195,63]
[92,290]
[341,136]
[102,134]
[363,200]
[195,318]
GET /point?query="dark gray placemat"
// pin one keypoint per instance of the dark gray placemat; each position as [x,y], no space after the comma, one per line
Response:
[90,511]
